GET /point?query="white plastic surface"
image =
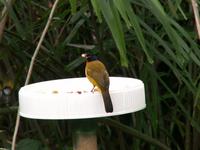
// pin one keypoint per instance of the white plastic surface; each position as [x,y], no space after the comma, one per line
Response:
[72,98]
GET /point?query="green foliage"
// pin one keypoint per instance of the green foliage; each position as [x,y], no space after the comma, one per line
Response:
[155,41]
[73,4]
[112,18]
[29,144]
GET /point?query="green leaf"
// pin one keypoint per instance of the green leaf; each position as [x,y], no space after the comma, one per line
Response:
[179,103]
[83,46]
[96,10]
[74,64]
[156,4]
[73,4]
[135,23]
[17,24]
[178,43]
[193,50]
[127,13]
[29,144]
[74,31]
[122,10]
[112,18]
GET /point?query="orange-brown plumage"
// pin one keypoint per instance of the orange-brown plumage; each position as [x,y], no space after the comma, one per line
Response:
[97,74]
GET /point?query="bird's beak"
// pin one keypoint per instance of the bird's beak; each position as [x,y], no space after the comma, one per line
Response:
[84,55]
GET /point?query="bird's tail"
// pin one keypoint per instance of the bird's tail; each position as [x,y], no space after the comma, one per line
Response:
[107,101]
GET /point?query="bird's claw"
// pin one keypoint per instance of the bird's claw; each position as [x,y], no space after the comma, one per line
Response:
[94,89]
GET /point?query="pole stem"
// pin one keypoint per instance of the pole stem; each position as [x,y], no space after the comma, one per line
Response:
[31,68]
[84,134]
[196,16]
[85,141]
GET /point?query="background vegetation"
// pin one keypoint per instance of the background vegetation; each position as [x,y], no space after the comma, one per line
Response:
[155,41]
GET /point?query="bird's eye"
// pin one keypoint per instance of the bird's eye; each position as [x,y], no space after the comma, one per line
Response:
[7,91]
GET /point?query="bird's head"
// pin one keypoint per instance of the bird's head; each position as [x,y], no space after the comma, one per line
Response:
[89,57]
[6,88]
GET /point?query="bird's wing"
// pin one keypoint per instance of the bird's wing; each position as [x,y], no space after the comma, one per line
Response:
[98,73]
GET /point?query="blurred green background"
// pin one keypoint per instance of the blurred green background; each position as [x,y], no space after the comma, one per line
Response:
[152,40]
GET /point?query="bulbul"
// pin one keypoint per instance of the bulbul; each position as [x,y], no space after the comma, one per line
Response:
[97,74]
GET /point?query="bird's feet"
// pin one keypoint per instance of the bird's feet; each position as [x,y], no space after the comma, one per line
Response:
[94,89]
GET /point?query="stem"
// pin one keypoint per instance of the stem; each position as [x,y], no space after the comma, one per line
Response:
[84,134]
[15,131]
[196,15]
[40,42]
[31,68]
[135,133]
[85,141]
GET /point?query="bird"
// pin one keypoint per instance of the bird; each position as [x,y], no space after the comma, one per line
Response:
[6,94]
[8,87]
[97,74]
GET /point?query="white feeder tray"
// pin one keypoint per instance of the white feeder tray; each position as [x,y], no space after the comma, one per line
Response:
[72,98]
